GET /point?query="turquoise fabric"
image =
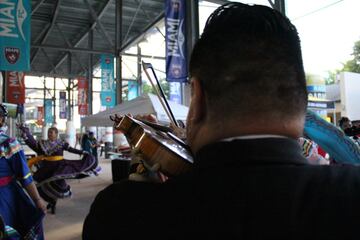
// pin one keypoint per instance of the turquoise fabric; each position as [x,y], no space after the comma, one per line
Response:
[330,138]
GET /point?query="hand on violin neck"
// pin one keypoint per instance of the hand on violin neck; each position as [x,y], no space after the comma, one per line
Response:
[140,171]
[147,117]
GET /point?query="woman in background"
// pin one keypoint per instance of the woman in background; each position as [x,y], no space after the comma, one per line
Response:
[53,169]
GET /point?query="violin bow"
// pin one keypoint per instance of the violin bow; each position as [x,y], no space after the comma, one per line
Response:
[159,91]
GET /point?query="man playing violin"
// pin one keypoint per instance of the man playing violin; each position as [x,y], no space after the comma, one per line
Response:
[249,179]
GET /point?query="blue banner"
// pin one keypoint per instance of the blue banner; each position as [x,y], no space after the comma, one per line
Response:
[316,88]
[107,93]
[176,62]
[175,92]
[15,39]
[48,110]
[62,105]
[132,90]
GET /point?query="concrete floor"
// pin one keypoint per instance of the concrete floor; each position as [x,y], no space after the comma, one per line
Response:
[67,223]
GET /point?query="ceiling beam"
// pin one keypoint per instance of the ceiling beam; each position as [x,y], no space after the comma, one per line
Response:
[69,45]
[71,49]
[47,57]
[148,18]
[140,36]
[99,24]
[36,7]
[55,14]
[132,21]
[91,51]
[56,75]
[78,42]
[37,39]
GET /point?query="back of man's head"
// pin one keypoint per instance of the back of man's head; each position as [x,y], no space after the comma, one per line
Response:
[344,123]
[249,64]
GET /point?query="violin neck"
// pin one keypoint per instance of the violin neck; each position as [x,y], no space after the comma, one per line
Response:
[157,126]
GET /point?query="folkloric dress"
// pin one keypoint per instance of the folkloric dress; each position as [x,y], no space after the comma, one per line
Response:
[53,169]
[16,208]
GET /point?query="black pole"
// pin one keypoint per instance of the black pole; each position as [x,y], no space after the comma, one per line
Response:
[3,87]
[54,99]
[118,44]
[192,35]
[90,74]
[280,6]
[69,117]
[139,80]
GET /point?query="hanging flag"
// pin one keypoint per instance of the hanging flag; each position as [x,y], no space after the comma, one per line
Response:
[176,62]
[40,115]
[48,111]
[175,92]
[82,96]
[15,39]
[132,90]
[15,87]
[107,93]
[62,105]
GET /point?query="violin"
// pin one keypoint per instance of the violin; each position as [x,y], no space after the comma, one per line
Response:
[157,145]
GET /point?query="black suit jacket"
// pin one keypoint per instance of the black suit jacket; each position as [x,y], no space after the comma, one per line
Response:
[243,189]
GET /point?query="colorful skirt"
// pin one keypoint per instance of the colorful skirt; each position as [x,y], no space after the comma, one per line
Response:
[51,176]
[19,212]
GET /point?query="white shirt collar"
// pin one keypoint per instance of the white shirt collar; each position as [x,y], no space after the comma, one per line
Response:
[255,136]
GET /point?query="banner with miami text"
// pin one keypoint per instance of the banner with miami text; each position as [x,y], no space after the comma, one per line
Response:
[62,105]
[15,87]
[176,61]
[82,96]
[107,93]
[48,107]
[15,39]
[40,115]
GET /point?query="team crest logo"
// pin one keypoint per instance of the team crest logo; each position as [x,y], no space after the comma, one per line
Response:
[176,70]
[12,54]
[175,5]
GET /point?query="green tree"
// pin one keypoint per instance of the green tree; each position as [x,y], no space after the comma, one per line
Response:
[147,88]
[353,65]
[331,78]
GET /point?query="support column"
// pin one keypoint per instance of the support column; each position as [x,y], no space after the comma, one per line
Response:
[72,98]
[3,85]
[90,74]
[69,117]
[280,6]
[45,127]
[192,35]
[118,44]
[139,79]
[54,100]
